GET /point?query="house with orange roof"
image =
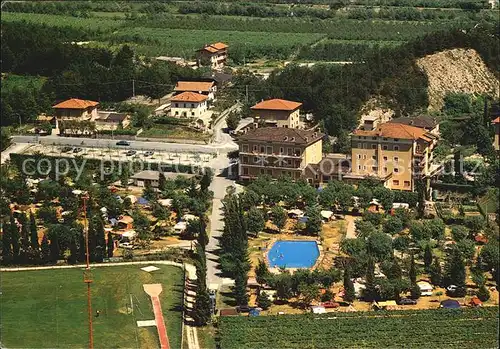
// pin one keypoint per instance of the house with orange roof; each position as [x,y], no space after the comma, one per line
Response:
[206,88]
[277,113]
[189,105]
[76,109]
[496,143]
[392,152]
[213,55]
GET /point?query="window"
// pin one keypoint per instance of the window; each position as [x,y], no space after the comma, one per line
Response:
[176,105]
[360,145]
[384,147]
[316,176]
[297,152]
[245,147]
[396,170]
[262,149]
[255,159]
[364,167]
[406,183]
[176,113]
[374,168]
[289,162]
[418,147]
[385,158]
[254,148]
[269,150]
[374,138]
[396,159]
[365,145]
[374,157]
[245,159]
[359,156]
[385,139]
[395,182]
[385,169]
[374,146]
[192,113]
[364,156]
[396,139]
[245,170]
[282,150]
[192,105]
[396,147]
[359,167]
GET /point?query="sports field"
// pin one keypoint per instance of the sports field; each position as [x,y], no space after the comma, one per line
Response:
[48,308]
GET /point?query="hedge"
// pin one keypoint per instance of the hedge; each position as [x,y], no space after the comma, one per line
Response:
[126,132]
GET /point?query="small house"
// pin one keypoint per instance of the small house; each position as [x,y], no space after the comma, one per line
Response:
[189,105]
[148,177]
[295,213]
[206,88]
[326,215]
[75,109]
[109,120]
[213,55]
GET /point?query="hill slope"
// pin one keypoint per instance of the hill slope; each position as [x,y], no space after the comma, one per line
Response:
[456,70]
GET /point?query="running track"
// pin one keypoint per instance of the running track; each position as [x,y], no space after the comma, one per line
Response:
[160,323]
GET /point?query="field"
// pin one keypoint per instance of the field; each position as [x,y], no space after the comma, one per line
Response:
[467,328]
[22,82]
[165,32]
[47,309]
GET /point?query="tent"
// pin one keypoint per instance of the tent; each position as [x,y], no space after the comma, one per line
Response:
[189,217]
[142,201]
[303,219]
[425,288]
[327,214]
[165,202]
[295,213]
[254,312]
[180,227]
[318,309]
[133,198]
[450,304]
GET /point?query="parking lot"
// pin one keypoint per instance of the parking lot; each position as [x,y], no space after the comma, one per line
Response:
[123,154]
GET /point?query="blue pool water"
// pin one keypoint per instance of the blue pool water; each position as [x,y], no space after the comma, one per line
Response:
[293,254]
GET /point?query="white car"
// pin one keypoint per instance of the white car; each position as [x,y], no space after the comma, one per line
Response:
[127,245]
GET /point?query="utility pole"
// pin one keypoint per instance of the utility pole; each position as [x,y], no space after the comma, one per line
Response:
[87,276]
[133,87]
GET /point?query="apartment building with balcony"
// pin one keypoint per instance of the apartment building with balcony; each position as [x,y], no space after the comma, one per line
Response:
[278,151]
[277,113]
[213,55]
[394,153]
[206,88]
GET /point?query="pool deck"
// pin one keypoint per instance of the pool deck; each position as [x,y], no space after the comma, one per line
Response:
[275,270]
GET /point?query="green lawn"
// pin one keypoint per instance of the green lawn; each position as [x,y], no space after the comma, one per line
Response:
[173,131]
[48,308]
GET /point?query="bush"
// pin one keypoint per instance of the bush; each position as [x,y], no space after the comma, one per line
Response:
[459,232]
[126,132]
[483,294]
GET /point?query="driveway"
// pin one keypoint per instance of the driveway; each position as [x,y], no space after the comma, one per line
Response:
[351,228]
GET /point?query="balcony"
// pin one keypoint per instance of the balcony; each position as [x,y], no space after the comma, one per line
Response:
[276,155]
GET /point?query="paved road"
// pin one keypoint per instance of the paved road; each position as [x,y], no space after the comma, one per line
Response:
[218,186]
[137,145]
[14,148]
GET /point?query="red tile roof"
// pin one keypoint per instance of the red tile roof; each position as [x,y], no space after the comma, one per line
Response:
[277,104]
[393,130]
[497,120]
[189,97]
[75,103]
[193,86]
[213,48]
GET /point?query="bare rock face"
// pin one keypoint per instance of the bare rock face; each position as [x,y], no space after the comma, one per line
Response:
[457,70]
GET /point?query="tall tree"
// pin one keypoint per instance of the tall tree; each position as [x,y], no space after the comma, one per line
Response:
[162,182]
[111,245]
[206,179]
[279,216]
[263,300]
[455,269]
[45,249]
[370,291]
[427,257]
[349,291]
[413,271]
[201,309]
[314,221]
[240,284]
[14,237]
[255,220]
[33,232]
[436,272]
[54,249]
[262,273]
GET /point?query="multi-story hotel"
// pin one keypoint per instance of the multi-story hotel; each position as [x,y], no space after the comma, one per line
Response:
[213,55]
[394,153]
[278,151]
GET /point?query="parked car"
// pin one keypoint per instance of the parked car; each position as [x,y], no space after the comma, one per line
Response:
[243,309]
[77,150]
[66,149]
[131,152]
[407,301]
[124,143]
[455,291]
[149,153]
[127,245]
[330,304]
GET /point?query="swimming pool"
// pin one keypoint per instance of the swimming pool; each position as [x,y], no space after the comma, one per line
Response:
[293,254]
